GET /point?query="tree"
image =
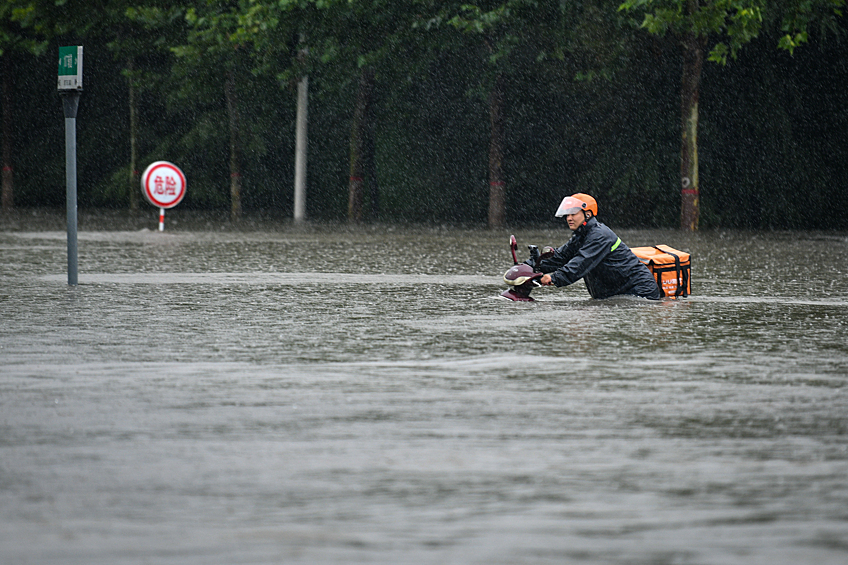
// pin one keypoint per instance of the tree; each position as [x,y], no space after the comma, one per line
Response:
[732,23]
[141,32]
[28,26]
[491,26]
[350,40]
[358,37]
[276,34]
[21,31]
[210,50]
[505,29]
[362,150]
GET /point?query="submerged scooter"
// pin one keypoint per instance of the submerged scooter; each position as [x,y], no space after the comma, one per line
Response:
[521,278]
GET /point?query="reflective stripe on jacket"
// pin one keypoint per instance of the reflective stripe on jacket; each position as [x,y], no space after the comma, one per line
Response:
[599,257]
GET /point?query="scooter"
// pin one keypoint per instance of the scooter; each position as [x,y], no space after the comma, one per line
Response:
[521,278]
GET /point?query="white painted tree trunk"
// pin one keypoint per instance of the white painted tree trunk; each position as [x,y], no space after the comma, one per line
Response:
[300,150]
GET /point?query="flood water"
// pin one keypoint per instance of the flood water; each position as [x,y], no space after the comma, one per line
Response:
[315,394]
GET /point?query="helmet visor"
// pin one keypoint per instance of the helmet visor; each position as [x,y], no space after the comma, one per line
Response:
[570,205]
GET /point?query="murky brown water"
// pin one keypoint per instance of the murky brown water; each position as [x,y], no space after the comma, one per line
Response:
[319,394]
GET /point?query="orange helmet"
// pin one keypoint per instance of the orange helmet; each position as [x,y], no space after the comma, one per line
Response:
[576,202]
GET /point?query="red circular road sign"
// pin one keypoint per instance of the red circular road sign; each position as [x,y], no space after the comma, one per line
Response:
[163,184]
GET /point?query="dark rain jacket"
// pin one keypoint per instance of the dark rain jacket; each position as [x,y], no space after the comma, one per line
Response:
[599,257]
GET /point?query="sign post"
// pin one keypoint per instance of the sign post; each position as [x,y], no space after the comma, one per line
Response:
[70,87]
[163,185]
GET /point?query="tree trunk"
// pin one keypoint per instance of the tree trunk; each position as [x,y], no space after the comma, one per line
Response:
[8,190]
[360,146]
[497,187]
[301,138]
[301,142]
[693,59]
[371,161]
[235,145]
[134,186]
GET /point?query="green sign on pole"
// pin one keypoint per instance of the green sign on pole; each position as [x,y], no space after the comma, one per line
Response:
[70,68]
[70,90]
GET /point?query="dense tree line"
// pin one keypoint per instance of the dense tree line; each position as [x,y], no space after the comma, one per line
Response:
[711,113]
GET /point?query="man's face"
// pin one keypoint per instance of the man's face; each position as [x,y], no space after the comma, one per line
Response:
[575,220]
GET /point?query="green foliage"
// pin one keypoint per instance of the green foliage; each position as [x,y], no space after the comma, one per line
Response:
[734,23]
[772,156]
[591,105]
[24,27]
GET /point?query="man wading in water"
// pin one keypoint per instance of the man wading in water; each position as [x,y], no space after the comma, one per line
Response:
[595,254]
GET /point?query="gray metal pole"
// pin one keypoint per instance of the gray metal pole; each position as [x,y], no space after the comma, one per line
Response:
[70,102]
